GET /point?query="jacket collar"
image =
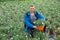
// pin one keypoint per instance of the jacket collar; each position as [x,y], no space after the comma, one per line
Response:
[29,12]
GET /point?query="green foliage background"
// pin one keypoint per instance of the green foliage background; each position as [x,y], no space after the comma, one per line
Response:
[11,17]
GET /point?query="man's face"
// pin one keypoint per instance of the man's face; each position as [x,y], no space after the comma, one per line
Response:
[32,8]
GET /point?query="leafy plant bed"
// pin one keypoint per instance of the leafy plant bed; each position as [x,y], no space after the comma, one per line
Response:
[11,15]
[42,35]
[58,38]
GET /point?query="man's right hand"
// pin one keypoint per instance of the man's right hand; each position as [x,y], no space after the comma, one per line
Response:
[35,27]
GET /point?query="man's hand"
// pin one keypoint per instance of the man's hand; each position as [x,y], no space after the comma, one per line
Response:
[35,27]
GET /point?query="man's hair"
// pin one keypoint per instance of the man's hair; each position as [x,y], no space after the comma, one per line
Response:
[31,6]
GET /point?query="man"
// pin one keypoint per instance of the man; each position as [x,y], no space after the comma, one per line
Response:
[29,18]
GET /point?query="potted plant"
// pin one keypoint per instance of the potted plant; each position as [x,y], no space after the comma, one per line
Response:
[51,29]
[39,24]
[57,32]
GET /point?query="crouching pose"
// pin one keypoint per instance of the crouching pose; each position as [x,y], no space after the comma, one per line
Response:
[30,17]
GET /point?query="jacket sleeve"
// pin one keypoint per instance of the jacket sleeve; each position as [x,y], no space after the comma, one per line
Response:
[40,16]
[27,22]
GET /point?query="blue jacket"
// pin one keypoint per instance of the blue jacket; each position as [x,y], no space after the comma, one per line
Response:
[27,19]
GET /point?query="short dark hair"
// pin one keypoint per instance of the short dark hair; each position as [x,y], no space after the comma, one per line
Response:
[31,6]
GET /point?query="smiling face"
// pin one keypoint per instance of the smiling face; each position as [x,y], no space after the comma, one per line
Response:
[32,8]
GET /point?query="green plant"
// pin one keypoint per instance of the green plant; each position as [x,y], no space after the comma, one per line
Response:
[57,31]
[38,22]
[51,27]
[58,38]
[42,36]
